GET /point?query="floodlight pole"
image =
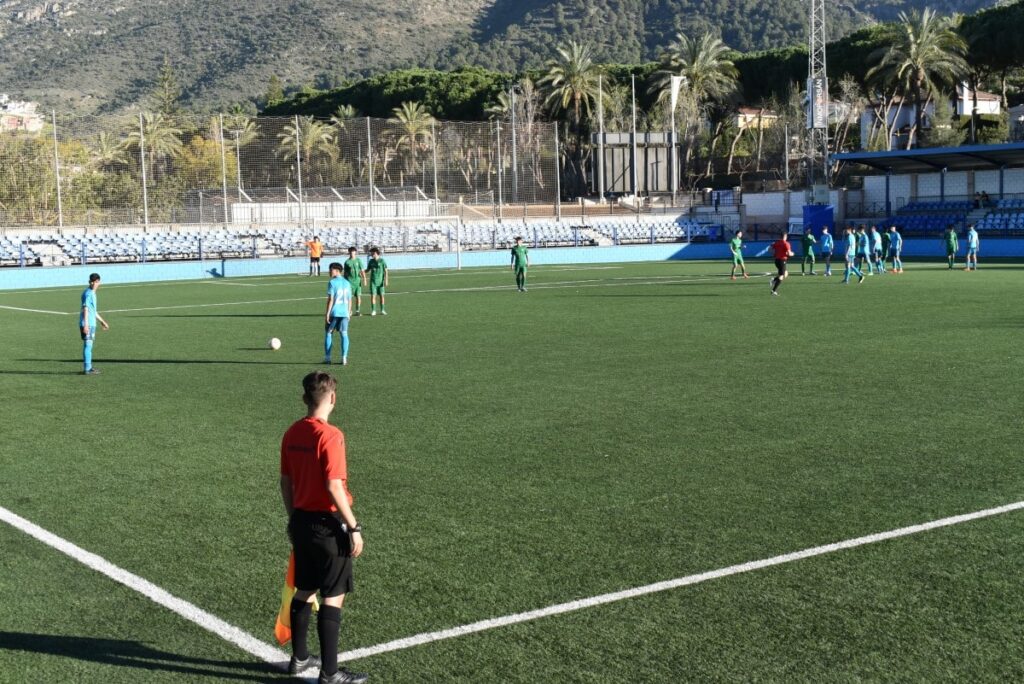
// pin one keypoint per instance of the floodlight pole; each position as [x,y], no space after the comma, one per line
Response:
[817,93]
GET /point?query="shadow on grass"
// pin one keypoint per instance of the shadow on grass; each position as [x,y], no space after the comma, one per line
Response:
[137,655]
[183,362]
[305,315]
[33,372]
[640,295]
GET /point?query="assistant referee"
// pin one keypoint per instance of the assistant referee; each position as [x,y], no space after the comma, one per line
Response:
[324,532]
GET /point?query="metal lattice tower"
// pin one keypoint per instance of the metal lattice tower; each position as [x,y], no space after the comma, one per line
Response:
[817,96]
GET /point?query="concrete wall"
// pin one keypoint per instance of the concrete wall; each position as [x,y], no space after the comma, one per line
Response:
[25,278]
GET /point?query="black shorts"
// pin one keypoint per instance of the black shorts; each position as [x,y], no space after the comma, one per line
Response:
[781,265]
[314,260]
[323,553]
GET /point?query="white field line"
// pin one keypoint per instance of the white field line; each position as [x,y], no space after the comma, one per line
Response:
[42,311]
[581,604]
[555,285]
[190,612]
[273,655]
[264,280]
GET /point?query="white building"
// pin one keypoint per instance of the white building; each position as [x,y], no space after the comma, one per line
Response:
[900,114]
[19,115]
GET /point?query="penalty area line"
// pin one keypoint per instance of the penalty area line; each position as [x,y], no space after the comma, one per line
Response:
[668,585]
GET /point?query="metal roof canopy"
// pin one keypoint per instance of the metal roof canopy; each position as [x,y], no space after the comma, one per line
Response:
[930,160]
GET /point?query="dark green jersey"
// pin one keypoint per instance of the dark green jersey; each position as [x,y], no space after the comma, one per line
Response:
[951,240]
[353,267]
[809,241]
[736,246]
[519,256]
[376,270]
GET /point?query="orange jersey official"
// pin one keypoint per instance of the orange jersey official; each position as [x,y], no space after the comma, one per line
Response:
[312,453]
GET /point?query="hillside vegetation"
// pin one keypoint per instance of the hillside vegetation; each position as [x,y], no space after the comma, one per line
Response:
[94,56]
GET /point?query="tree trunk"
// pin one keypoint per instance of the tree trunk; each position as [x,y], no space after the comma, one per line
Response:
[914,139]
[732,151]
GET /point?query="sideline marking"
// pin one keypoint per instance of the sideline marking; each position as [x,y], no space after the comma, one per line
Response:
[190,612]
[42,311]
[277,657]
[571,606]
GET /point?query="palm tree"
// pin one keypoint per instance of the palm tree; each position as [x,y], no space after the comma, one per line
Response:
[308,136]
[924,52]
[709,78]
[161,139]
[571,79]
[342,115]
[415,130]
[704,63]
[107,152]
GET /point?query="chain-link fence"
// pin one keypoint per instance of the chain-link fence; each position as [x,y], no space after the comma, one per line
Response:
[152,168]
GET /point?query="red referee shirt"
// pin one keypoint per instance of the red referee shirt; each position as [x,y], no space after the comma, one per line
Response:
[313,452]
[781,249]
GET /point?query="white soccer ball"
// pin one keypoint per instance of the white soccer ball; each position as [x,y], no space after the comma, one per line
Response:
[274,343]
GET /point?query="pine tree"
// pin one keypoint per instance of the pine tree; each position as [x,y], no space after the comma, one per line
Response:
[168,90]
[275,90]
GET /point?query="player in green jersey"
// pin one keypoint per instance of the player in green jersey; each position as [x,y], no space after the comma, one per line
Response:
[736,247]
[808,241]
[356,277]
[952,244]
[377,270]
[520,262]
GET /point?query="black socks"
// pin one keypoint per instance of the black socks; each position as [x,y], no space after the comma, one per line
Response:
[328,625]
[300,612]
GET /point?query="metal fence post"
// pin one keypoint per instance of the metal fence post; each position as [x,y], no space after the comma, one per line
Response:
[56,169]
[298,164]
[558,179]
[433,138]
[501,163]
[223,169]
[369,155]
[142,160]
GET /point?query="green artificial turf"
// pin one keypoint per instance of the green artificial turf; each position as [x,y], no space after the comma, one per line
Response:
[613,427]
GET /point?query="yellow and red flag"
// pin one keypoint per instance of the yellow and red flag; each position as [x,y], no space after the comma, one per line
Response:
[283,625]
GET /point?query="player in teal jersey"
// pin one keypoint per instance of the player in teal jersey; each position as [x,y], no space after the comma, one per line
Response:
[896,250]
[952,244]
[338,313]
[877,255]
[87,323]
[736,249]
[520,262]
[808,243]
[863,249]
[851,258]
[377,272]
[356,277]
[828,245]
[973,242]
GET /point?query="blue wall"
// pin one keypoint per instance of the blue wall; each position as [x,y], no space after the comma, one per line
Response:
[37,277]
